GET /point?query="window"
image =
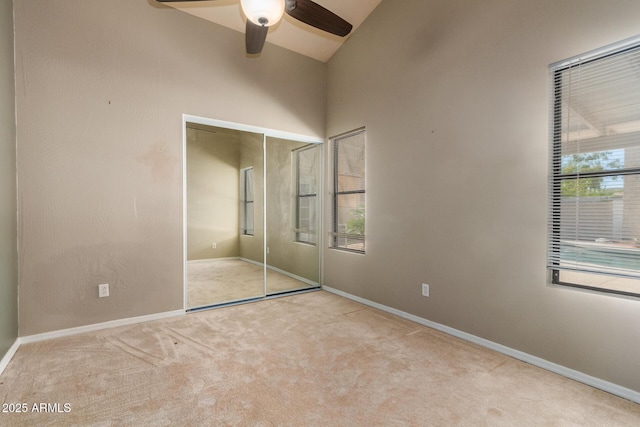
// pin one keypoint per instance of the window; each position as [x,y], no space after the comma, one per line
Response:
[246,201]
[349,191]
[306,176]
[594,189]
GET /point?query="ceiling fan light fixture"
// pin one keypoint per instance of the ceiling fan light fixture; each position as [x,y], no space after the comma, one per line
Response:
[263,12]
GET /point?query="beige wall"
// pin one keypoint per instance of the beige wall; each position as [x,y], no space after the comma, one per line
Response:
[8,251]
[213,195]
[284,253]
[455,98]
[101,89]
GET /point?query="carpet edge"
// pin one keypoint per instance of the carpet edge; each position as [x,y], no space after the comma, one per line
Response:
[4,362]
[98,326]
[572,374]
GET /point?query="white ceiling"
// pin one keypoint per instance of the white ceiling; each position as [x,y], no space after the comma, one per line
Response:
[288,33]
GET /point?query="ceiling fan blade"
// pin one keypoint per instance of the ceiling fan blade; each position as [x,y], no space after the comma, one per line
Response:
[317,16]
[255,37]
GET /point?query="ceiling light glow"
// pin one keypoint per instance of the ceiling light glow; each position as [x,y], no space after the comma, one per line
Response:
[263,12]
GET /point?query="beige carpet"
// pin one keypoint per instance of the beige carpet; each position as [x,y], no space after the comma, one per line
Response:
[216,281]
[312,359]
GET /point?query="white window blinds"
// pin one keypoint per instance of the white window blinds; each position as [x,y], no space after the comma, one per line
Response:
[594,189]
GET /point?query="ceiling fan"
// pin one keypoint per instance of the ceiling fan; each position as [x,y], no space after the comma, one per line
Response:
[261,14]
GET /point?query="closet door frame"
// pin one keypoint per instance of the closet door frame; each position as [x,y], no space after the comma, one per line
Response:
[266,133]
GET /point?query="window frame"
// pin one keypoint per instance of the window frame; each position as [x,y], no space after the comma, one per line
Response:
[335,233]
[246,204]
[556,175]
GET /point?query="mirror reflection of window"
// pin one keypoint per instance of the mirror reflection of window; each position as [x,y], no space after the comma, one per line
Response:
[306,194]
[246,201]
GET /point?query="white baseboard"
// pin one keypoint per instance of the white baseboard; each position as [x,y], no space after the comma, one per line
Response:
[293,276]
[208,260]
[4,362]
[250,261]
[98,326]
[278,270]
[598,383]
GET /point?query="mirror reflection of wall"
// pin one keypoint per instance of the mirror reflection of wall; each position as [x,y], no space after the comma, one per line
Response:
[292,215]
[224,215]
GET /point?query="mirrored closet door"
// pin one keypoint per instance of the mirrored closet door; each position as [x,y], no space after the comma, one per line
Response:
[230,256]
[292,214]
[225,215]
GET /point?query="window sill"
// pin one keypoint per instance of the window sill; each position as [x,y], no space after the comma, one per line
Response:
[347,250]
[601,283]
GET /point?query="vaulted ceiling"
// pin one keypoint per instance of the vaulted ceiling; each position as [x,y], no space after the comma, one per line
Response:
[288,33]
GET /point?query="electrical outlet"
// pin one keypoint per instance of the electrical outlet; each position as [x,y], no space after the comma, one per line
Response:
[214,245]
[103,290]
[425,290]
